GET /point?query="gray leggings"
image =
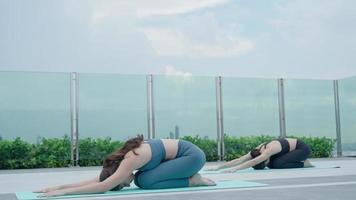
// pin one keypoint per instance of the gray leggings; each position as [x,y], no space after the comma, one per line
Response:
[173,173]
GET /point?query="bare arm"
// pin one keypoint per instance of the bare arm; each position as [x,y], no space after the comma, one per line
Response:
[78,184]
[127,166]
[87,182]
[252,162]
[125,169]
[235,162]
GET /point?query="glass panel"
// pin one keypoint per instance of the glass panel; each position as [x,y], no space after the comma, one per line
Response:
[310,109]
[347,92]
[250,107]
[112,106]
[36,108]
[34,105]
[185,106]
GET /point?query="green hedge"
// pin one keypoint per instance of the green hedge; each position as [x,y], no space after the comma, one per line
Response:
[48,153]
[92,151]
[210,147]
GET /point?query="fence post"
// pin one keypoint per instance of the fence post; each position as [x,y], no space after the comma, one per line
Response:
[219,119]
[337,119]
[74,83]
[282,113]
[150,108]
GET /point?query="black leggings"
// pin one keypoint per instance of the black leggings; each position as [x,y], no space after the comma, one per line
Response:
[292,159]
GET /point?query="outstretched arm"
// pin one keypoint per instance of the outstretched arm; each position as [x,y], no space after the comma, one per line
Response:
[233,163]
[250,163]
[60,187]
[127,166]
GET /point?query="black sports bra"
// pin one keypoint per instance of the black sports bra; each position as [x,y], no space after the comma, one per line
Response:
[285,148]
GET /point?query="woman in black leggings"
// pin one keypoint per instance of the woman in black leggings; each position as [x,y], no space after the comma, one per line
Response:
[280,153]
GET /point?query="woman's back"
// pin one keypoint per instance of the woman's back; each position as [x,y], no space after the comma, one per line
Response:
[277,145]
[145,152]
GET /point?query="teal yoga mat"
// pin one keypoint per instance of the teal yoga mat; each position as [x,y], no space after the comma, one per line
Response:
[229,184]
[251,170]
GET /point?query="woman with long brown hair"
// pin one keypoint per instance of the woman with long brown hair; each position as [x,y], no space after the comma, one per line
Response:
[160,163]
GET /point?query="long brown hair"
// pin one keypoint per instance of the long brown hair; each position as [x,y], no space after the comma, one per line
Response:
[112,162]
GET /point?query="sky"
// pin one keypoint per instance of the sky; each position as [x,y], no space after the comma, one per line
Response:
[301,39]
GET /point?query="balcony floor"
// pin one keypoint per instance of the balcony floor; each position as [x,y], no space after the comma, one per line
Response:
[323,182]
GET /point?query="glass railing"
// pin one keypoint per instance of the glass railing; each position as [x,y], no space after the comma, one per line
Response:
[35,109]
[310,108]
[112,106]
[34,106]
[185,107]
[250,107]
[347,93]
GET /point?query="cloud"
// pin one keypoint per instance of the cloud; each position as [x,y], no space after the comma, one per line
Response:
[172,71]
[178,78]
[136,9]
[173,7]
[170,42]
[316,22]
[202,35]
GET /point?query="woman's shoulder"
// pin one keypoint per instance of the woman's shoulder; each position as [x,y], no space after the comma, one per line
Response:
[273,145]
[138,152]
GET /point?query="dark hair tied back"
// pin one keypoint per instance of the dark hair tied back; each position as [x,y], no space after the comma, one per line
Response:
[255,153]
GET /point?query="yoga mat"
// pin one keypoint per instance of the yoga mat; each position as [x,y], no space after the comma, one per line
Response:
[251,170]
[229,184]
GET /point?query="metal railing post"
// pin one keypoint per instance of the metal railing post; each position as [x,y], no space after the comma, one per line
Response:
[337,119]
[219,119]
[282,113]
[150,108]
[74,118]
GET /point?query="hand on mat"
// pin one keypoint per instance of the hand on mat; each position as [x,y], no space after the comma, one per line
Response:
[53,193]
[46,190]
[214,168]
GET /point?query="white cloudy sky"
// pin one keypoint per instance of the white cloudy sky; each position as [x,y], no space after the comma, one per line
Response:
[244,38]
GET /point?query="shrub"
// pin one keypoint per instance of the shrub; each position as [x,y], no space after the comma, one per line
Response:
[56,152]
[210,147]
[93,151]
[239,146]
[14,154]
[47,153]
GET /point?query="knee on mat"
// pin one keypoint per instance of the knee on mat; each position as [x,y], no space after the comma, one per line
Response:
[144,182]
[198,161]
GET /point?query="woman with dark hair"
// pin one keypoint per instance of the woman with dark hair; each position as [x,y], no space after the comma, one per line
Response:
[280,153]
[160,163]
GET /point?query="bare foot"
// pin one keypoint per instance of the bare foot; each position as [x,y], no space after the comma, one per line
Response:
[308,164]
[198,180]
